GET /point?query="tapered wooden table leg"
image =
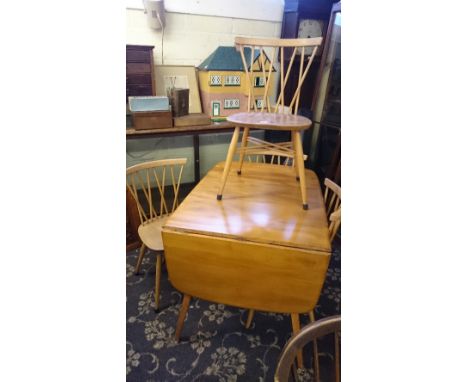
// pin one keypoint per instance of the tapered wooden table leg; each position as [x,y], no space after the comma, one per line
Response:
[296,327]
[157,286]
[140,258]
[182,313]
[245,135]
[227,165]
[249,318]
[296,135]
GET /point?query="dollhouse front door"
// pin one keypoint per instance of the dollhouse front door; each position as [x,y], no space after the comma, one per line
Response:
[216,108]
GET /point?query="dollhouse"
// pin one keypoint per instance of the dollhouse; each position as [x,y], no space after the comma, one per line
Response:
[223,82]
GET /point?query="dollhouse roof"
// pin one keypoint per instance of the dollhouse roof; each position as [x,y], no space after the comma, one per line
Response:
[227,58]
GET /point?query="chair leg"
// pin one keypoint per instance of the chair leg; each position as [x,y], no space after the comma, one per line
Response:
[227,165]
[249,318]
[245,136]
[299,156]
[180,320]
[157,287]
[316,354]
[140,258]
[296,169]
[296,327]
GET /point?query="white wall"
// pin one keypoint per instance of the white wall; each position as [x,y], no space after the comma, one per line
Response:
[188,40]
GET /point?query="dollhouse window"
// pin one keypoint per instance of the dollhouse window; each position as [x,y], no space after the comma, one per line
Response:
[233,103]
[232,80]
[259,103]
[215,80]
[259,82]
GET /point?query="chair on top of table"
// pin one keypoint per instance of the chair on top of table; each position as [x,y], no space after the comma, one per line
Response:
[267,116]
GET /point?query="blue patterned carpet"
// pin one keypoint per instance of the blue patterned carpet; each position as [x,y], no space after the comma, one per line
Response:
[214,346]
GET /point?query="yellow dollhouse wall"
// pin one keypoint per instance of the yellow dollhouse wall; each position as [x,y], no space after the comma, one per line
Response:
[222,93]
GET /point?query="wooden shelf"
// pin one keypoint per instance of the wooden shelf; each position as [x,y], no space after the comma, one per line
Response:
[185,130]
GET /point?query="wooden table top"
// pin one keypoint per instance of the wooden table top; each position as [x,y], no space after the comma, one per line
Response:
[270,121]
[262,205]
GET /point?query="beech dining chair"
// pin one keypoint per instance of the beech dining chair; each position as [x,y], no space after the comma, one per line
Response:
[310,333]
[155,188]
[267,115]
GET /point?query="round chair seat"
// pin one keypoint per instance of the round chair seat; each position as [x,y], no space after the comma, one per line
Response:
[270,121]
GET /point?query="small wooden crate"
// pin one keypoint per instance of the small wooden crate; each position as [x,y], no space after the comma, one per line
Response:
[180,102]
[195,119]
[148,120]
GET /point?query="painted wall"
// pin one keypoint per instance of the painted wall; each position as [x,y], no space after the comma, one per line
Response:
[188,40]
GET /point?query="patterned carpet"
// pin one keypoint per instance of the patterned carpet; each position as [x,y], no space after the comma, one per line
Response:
[214,346]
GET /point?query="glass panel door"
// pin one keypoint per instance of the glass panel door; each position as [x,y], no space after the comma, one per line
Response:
[326,107]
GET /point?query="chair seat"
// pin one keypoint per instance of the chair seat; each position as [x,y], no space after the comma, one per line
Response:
[270,121]
[150,233]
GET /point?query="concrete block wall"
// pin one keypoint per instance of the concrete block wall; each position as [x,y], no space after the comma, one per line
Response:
[188,40]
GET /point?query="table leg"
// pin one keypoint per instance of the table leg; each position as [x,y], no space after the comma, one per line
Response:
[157,284]
[182,313]
[227,165]
[249,318]
[296,327]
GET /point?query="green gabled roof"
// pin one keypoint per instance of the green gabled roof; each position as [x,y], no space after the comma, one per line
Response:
[227,58]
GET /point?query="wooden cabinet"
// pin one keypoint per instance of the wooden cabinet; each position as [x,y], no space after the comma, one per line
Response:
[325,152]
[132,221]
[140,71]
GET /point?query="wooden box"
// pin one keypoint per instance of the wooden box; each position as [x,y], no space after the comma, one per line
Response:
[180,102]
[148,120]
[196,119]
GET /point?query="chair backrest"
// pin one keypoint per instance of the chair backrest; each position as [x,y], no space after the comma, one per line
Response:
[308,334]
[264,68]
[332,199]
[155,187]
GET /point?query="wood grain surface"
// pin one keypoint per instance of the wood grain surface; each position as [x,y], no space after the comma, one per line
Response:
[270,121]
[257,248]
[262,205]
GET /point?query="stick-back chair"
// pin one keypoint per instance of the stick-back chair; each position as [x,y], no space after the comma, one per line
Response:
[155,188]
[261,113]
[310,333]
[332,199]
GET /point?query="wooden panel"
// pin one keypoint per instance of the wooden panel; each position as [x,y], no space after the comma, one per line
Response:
[180,102]
[138,56]
[262,205]
[139,90]
[133,221]
[142,79]
[138,68]
[152,120]
[196,119]
[256,276]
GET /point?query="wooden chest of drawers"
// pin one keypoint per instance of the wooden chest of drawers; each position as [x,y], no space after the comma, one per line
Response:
[140,71]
